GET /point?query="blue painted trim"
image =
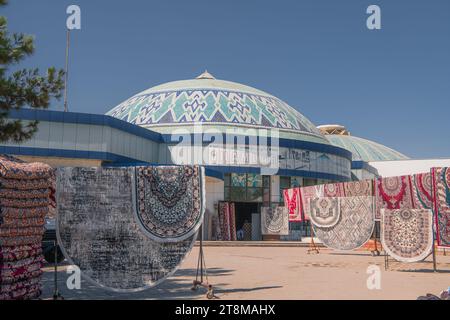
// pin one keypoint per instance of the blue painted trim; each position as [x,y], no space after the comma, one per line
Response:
[95,119]
[219,171]
[208,172]
[84,118]
[282,142]
[117,160]
[362,165]
[62,153]
[214,173]
[314,175]
[282,172]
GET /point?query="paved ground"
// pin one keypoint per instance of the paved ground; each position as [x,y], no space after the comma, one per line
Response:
[281,273]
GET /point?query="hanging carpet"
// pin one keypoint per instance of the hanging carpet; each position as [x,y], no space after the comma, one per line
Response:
[324,212]
[407,234]
[355,225]
[363,188]
[393,193]
[274,221]
[99,232]
[422,193]
[292,202]
[333,190]
[169,201]
[441,205]
[306,193]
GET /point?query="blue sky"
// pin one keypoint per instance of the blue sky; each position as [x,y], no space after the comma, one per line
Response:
[391,85]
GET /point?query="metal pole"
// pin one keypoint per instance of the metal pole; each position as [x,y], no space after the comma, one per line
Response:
[377,235]
[201,253]
[55,278]
[67,71]
[375,238]
[386,261]
[196,272]
[434,256]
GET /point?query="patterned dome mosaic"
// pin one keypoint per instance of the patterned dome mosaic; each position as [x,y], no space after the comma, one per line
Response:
[214,102]
[365,150]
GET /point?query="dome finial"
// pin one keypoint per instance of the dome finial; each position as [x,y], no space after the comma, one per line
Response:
[206,75]
[333,129]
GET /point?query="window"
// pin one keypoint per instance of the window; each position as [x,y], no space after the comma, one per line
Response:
[246,187]
[296,182]
[285,183]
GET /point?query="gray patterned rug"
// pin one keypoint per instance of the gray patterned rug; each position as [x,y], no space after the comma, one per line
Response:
[324,212]
[275,221]
[99,232]
[355,225]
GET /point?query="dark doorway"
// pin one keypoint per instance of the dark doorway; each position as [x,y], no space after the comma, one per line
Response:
[244,212]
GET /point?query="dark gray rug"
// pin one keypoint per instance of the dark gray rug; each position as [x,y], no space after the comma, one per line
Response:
[99,231]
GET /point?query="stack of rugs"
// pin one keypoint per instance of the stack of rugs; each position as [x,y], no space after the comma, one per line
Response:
[24,200]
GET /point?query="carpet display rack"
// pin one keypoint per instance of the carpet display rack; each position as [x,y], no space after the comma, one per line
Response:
[201,274]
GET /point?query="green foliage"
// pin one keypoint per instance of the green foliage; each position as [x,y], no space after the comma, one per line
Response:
[22,88]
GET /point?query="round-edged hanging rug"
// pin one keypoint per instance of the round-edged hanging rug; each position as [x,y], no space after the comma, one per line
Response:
[98,231]
[170,201]
[407,234]
[355,225]
[274,221]
[324,212]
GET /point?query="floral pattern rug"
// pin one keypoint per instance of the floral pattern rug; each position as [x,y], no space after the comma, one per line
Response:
[393,193]
[170,201]
[407,234]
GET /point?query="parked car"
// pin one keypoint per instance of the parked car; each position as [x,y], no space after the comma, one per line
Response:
[49,243]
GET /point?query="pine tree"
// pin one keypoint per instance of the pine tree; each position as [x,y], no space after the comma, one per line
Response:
[22,88]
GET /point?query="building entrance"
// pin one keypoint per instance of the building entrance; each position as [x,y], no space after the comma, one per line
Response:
[244,211]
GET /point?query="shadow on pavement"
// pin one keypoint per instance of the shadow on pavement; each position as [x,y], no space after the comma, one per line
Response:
[178,286]
[424,270]
[224,291]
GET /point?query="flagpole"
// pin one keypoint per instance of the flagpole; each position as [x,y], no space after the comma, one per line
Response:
[67,70]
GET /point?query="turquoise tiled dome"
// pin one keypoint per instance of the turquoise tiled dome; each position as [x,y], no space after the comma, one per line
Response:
[216,103]
[365,150]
